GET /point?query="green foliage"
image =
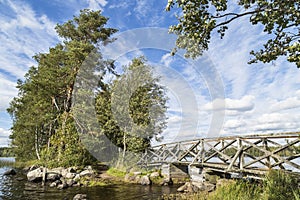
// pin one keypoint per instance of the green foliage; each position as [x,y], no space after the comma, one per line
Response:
[280,186]
[199,18]
[6,152]
[239,190]
[131,110]
[43,122]
[116,172]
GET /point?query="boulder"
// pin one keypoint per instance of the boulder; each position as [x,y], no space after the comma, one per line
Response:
[87,172]
[187,186]
[70,175]
[129,177]
[145,180]
[137,173]
[196,187]
[209,187]
[80,197]
[33,167]
[62,186]
[154,175]
[53,184]
[53,176]
[10,172]
[35,175]
[70,182]
[167,181]
[77,177]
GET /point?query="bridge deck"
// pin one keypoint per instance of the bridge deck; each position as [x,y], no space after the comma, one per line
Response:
[253,154]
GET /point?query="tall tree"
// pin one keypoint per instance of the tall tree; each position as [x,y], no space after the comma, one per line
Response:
[42,113]
[131,110]
[199,18]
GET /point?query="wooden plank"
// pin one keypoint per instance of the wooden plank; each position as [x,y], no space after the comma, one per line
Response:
[235,158]
[215,153]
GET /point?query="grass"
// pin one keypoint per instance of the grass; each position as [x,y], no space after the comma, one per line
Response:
[116,172]
[278,185]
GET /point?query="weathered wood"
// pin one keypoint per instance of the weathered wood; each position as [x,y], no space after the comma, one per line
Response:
[230,154]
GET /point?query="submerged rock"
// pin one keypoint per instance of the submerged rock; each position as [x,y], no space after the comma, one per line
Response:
[80,197]
[10,172]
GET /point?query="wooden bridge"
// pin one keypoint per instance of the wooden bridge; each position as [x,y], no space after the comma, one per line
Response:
[250,154]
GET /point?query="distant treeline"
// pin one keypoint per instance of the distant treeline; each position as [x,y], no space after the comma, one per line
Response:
[6,152]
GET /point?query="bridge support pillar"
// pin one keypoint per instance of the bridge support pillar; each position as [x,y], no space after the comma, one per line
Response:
[174,171]
[196,174]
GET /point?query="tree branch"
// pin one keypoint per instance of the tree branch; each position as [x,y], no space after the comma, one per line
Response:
[237,16]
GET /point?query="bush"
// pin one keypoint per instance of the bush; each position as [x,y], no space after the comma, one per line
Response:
[280,186]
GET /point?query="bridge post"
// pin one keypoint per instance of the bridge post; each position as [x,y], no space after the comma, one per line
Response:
[241,156]
[265,144]
[196,173]
[165,171]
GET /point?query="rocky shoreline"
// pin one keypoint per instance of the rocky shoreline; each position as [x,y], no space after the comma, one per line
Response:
[62,178]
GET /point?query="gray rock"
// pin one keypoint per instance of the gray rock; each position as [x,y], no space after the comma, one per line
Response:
[80,197]
[196,187]
[72,169]
[167,181]
[33,167]
[35,175]
[53,176]
[64,172]
[129,177]
[87,172]
[70,175]
[137,173]
[209,187]
[154,175]
[77,177]
[145,180]
[10,172]
[184,187]
[53,184]
[70,182]
[62,186]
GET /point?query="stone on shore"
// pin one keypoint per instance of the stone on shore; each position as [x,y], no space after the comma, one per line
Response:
[87,172]
[145,180]
[35,175]
[63,185]
[196,186]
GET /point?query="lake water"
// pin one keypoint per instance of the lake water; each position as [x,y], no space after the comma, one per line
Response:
[13,189]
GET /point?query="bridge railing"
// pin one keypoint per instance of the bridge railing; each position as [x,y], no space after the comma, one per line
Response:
[254,154]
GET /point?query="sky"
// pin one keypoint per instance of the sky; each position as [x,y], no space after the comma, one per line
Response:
[218,94]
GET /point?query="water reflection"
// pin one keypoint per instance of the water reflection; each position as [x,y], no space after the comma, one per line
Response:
[17,188]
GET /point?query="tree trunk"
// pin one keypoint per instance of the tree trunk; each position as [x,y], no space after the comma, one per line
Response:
[36,144]
[124,148]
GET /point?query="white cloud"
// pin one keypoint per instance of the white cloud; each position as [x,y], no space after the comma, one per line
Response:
[96,4]
[22,36]
[7,92]
[241,105]
[289,103]
[234,124]
[4,134]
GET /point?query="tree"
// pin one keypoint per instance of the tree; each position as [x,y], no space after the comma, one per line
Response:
[42,113]
[199,18]
[131,110]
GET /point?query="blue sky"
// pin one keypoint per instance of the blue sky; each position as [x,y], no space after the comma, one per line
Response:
[217,94]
